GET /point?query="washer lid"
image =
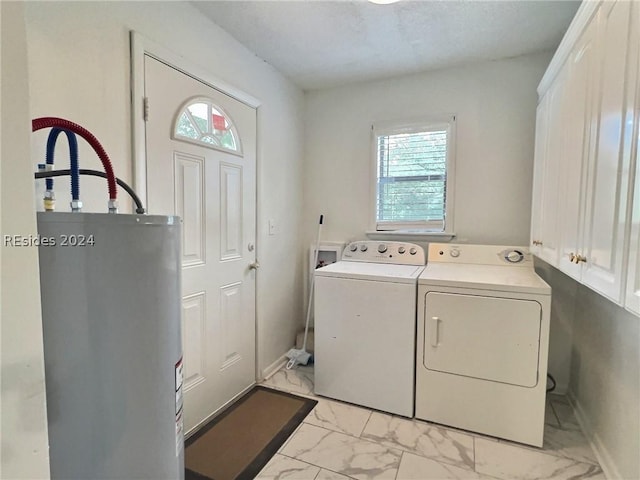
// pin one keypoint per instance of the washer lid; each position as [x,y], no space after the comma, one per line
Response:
[484,277]
[372,271]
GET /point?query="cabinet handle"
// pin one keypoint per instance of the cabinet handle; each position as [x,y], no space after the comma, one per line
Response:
[537,243]
[434,333]
[572,258]
[580,258]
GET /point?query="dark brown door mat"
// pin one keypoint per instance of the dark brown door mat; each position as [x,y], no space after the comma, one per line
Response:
[239,442]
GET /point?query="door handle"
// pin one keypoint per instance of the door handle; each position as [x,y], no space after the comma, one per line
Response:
[255,265]
[434,331]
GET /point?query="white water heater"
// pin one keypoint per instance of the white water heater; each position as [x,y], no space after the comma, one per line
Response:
[110,288]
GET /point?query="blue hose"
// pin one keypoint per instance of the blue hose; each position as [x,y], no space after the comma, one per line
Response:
[51,146]
[73,157]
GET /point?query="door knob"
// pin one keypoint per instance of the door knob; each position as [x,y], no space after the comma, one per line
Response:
[255,265]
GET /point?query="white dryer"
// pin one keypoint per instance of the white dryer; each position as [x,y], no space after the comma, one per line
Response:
[482,341]
[365,321]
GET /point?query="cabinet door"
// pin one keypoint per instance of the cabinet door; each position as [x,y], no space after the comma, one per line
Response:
[576,148]
[608,174]
[632,301]
[542,125]
[548,215]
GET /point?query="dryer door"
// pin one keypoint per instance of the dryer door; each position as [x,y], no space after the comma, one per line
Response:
[490,338]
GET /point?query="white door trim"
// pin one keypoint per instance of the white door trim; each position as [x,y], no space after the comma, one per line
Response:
[141,46]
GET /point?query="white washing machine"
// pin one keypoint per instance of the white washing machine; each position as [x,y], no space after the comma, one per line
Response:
[482,341]
[365,322]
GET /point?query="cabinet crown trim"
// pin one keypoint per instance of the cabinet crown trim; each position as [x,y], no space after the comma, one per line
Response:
[583,16]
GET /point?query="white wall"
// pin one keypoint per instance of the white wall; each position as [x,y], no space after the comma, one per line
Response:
[79,69]
[495,107]
[605,380]
[563,310]
[495,104]
[24,449]
[604,361]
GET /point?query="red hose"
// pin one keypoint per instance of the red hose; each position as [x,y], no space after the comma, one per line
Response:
[45,122]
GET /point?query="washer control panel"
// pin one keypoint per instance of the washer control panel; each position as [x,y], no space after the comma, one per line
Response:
[401,253]
[480,254]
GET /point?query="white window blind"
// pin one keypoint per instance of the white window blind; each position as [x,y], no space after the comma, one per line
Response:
[412,178]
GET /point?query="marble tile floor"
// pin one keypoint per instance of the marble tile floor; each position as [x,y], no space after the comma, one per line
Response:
[339,441]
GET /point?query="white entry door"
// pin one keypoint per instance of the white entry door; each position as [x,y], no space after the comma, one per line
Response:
[201,165]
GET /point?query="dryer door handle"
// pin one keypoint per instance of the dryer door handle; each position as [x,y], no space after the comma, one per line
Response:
[434,331]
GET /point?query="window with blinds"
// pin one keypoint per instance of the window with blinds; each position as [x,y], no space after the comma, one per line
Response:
[412,173]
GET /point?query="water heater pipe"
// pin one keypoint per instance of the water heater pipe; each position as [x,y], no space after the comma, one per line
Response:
[94,173]
[73,157]
[46,122]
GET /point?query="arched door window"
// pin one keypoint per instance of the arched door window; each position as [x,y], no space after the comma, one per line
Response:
[201,121]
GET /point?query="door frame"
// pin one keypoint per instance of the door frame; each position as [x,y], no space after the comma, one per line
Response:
[141,46]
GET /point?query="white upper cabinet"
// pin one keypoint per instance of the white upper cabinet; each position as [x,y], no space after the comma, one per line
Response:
[542,131]
[607,189]
[544,231]
[595,121]
[577,146]
[632,299]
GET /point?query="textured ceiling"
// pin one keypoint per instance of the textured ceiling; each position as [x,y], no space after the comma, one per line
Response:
[319,44]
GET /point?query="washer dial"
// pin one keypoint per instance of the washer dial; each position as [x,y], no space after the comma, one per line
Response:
[514,256]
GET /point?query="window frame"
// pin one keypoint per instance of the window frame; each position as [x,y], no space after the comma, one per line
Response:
[439,123]
[212,104]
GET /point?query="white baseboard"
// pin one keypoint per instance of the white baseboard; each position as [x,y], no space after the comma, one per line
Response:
[273,368]
[602,453]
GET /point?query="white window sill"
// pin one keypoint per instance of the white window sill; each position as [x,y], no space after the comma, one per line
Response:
[415,235]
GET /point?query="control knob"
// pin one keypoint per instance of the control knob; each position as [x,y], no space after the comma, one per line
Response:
[382,248]
[353,247]
[401,250]
[455,253]
[514,256]
[413,250]
[363,248]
